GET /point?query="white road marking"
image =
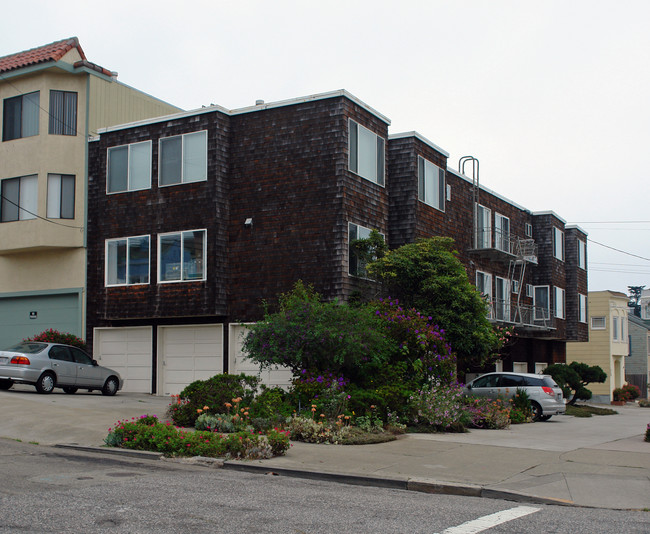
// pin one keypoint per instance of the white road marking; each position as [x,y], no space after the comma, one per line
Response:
[492,520]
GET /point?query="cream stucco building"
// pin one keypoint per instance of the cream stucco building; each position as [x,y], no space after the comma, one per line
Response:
[53,100]
[608,344]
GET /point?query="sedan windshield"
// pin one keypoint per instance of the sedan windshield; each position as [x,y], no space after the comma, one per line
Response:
[27,347]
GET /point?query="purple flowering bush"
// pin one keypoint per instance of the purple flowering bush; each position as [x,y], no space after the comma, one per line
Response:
[439,408]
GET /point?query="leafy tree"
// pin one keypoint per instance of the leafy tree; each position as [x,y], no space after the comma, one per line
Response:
[635,296]
[308,334]
[427,275]
[574,378]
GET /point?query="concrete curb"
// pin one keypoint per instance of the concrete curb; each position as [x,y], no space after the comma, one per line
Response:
[113,451]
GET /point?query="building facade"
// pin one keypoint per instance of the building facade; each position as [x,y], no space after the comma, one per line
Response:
[197,218]
[608,345]
[637,365]
[52,98]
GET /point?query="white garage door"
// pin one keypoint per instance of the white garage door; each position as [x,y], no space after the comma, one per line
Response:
[127,351]
[238,363]
[188,353]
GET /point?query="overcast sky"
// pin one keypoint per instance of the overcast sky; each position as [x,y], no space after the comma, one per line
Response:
[550,96]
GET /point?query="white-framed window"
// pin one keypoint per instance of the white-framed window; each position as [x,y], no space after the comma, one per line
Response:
[498,366]
[559,298]
[582,254]
[127,261]
[60,196]
[357,265]
[484,284]
[63,113]
[582,308]
[19,198]
[183,159]
[615,331]
[483,227]
[502,298]
[529,290]
[539,367]
[20,116]
[558,243]
[519,367]
[502,232]
[181,256]
[431,184]
[598,323]
[515,287]
[367,157]
[528,230]
[541,303]
[129,167]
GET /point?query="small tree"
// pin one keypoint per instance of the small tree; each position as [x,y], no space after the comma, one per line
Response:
[574,378]
[54,336]
[635,293]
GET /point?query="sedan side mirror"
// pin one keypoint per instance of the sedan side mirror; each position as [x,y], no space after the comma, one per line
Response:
[95,364]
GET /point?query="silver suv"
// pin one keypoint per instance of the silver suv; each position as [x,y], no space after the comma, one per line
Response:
[545,395]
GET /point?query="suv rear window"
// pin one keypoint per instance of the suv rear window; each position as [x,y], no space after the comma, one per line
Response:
[510,381]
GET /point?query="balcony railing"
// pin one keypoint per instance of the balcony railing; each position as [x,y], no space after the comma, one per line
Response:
[491,241]
[502,311]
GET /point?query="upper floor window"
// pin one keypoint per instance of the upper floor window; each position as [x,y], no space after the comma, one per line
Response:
[60,196]
[129,167]
[183,158]
[582,308]
[541,303]
[529,290]
[181,256]
[20,116]
[582,254]
[559,297]
[502,232]
[357,264]
[502,299]
[528,230]
[63,113]
[615,331]
[598,323]
[558,243]
[484,283]
[431,184]
[127,261]
[19,198]
[366,153]
[483,227]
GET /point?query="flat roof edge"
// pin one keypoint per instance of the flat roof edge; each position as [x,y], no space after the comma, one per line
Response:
[419,136]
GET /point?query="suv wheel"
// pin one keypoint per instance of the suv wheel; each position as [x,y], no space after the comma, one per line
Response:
[537,412]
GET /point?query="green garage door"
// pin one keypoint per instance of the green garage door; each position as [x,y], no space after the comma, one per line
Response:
[22,317]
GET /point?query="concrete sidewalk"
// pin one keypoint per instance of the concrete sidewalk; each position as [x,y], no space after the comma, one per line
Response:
[599,461]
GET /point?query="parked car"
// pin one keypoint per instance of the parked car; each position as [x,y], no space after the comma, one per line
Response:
[50,365]
[545,395]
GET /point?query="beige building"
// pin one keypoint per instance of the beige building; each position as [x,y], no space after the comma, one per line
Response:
[53,100]
[608,344]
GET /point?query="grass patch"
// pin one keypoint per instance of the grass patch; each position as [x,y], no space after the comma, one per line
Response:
[582,410]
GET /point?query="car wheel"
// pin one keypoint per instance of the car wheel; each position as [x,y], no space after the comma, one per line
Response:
[70,390]
[46,383]
[110,386]
[6,384]
[545,417]
[537,411]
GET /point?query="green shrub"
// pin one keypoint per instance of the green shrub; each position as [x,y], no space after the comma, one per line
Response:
[487,413]
[521,410]
[439,408]
[272,404]
[647,433]
[214,393]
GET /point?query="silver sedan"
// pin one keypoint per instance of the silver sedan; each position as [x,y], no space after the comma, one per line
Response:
[50,365]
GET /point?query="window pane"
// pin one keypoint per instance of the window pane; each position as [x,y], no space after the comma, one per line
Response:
[170,160]
[12,110]
[195,157]
[380,161]
[53,196]
[67,196]
[116,262]
[367,154]
[354,147]
[140,166]
[117,169]
[28,197]
[30,114]
[421,179]
[10,199]
[56,113]
[139,260]
[70,114]
[193,255]
[170,257]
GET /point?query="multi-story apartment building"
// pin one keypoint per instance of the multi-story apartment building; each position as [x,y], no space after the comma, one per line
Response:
[52,99]
[196,218]
[608,344]
[637,366]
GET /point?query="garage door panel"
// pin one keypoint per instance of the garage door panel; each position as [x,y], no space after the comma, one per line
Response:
[128,351]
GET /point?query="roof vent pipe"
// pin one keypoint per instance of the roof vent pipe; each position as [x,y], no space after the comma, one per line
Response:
[259,102]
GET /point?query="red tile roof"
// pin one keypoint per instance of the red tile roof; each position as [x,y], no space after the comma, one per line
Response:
[49,52]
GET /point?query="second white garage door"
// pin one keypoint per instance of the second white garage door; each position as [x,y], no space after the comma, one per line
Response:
[188,353]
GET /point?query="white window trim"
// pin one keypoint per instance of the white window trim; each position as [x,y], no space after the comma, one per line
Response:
[547,314]
[129,188]
[182,180]
[528,230]
[615,328]
[582,308]
[422,184]
[505,301]
[558,248]
[350,252]
[380,180]
[27,205]
[126,277]
[205,256]
[483,239]
[529,290]
[582,254]
[501,238]
[54,201]
[515,287]
[559,302]
[599,327]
